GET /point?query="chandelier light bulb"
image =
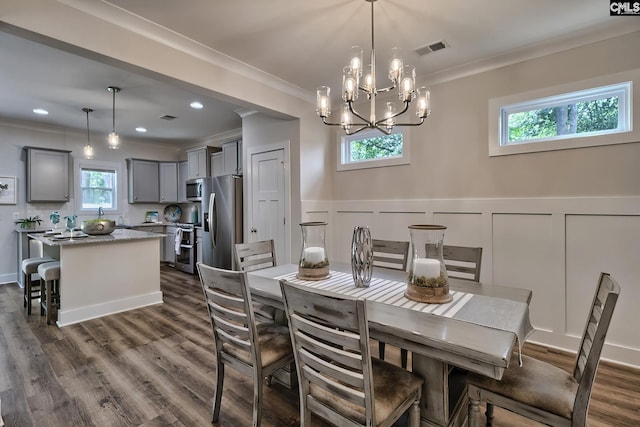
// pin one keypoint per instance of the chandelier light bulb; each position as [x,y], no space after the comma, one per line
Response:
[88,152]
[113,140]
[323,102]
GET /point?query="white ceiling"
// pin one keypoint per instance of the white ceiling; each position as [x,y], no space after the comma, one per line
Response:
[302,42]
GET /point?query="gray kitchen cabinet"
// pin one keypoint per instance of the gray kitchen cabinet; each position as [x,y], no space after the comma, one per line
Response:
[168,172]
[47,175]
[144,185]
[198,161]
[232,153]
[169,245]
[183,174]
[217,164]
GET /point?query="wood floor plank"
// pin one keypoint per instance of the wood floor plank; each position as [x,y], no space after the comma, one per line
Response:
[155,367]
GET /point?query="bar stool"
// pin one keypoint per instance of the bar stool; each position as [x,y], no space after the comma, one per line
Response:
[31,288]
[49,273]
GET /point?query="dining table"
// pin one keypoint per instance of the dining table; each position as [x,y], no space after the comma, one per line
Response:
[476,332]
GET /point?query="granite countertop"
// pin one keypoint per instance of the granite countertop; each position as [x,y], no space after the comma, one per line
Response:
[119,235]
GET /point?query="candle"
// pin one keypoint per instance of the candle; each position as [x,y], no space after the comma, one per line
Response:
[313,254]
[427,267]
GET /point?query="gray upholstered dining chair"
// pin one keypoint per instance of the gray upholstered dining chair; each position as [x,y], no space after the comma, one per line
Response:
[543,392]
[393,255]
[256,256]
[254,349]
[338,379]
[463,262]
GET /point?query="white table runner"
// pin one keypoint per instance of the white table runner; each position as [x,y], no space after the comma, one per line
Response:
[497,313]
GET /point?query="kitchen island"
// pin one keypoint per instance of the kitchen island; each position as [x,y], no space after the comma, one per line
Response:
[105,274]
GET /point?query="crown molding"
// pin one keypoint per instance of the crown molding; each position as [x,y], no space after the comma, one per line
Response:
[124,19]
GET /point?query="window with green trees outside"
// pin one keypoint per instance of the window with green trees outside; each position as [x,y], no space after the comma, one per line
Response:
[372,148]
[98,188]
[589,112]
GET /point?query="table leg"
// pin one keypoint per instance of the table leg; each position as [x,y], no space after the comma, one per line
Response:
[444,393]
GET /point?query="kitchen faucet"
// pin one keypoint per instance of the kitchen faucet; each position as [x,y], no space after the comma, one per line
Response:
[100,212]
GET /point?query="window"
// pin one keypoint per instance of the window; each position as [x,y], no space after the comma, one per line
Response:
[582,114]
[97,186]
[372,148]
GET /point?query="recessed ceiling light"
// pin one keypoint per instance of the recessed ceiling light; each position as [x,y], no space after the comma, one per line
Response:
[196,105]
[141,129]
[40,111]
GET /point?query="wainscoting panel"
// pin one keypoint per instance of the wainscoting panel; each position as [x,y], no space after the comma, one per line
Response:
[522,257]
[554,246]
[609,243]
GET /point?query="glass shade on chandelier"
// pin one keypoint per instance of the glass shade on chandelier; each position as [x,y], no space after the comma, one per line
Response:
[355,80]
[113,140]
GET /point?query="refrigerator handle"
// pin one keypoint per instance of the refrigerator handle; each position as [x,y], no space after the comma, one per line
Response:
[211,221]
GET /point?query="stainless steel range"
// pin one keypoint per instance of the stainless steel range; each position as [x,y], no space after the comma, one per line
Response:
[185,246]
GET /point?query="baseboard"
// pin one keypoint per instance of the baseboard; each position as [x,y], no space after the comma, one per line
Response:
[69,317]
[8,278]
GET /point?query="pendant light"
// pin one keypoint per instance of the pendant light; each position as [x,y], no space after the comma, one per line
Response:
[113,139]
[88,149]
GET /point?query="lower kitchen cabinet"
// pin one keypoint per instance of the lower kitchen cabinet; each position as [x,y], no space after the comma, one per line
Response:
[170,245]
[154,229]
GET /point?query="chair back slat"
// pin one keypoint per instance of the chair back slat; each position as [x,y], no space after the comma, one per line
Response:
[588,358]
[255,255]
[228,302]
[330,337]
[463,261]
[328,348]
[390,254]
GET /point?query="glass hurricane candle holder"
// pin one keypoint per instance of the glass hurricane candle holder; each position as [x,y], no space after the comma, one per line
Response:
[314,261]
[428,280]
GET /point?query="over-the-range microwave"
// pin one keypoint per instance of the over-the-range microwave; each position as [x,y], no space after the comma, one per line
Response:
[194,190]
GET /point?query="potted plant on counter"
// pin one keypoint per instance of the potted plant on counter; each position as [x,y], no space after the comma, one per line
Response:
[29,222]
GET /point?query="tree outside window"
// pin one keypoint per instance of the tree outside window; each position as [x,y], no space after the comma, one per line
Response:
[98,188]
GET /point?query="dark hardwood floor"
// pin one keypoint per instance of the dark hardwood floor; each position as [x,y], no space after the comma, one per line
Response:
[154,367]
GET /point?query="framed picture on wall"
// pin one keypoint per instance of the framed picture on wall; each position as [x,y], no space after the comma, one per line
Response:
[8,190]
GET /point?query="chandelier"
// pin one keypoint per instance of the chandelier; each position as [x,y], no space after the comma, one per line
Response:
[402,77]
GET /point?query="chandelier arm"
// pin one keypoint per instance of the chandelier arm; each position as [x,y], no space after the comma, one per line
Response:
[382,129]
[361,128]
[404,110]
[410,124]
[355,113]
[324,120]
[387,89]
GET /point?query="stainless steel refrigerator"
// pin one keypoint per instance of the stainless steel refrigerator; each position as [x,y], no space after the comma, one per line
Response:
[222,220]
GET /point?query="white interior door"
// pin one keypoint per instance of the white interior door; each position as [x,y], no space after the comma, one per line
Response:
[268,219]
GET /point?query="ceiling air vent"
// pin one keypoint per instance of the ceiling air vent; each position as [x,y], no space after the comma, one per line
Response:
[167,117]
[421,51]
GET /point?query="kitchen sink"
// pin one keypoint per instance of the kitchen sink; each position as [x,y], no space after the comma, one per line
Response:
[98,226]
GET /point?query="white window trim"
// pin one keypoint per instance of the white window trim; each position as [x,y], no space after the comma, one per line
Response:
[570,141]
[342,146]
[97,164]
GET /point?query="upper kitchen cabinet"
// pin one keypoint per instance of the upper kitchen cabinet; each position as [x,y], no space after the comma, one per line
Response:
[144,183]
[168,182]
[232,153]
[47,175]
[198,161]
[228,161]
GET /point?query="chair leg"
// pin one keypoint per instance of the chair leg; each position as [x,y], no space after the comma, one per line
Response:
[27,289]
[403,358]
[381,347]
[49,299]
[414,414]
[43,291]
[217,394]
[489,414]
[257,400]
[305,416]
